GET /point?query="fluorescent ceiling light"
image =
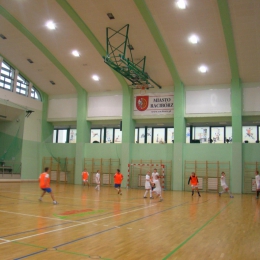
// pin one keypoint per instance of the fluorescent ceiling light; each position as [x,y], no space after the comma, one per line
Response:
[51,25]
[75,53]
[181,4]
[95,77]
[203,69]
[194,39]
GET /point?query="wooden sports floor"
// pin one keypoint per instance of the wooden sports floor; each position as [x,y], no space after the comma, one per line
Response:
[90,224]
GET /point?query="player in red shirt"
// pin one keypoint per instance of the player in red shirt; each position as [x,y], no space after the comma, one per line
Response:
[194,183]
[118,178]
[85,175]
[44,181]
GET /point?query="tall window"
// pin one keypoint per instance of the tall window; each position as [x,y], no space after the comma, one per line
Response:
[35,94]
[22,85]
[7,77]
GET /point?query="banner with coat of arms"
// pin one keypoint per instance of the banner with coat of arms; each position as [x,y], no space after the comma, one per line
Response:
[153,104]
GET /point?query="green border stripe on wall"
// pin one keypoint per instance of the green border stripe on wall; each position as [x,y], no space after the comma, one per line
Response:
[85,29]
[40,46]
[147,16]
[228,32]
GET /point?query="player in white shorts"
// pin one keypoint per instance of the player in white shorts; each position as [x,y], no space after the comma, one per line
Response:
[257,183]
[157,190]
[224,185]
[147,185]
[97,180]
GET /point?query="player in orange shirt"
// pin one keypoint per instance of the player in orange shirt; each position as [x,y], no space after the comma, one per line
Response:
[85,177]
[118,178]
[194,183]
[44,180]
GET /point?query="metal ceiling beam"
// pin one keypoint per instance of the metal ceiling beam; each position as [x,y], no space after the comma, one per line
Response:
[40,46]
[88,33]
[147,16]
[228,32]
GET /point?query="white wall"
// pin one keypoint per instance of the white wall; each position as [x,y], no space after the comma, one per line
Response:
[251,99]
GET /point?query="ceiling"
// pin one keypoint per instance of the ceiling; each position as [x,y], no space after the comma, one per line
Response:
[81,25]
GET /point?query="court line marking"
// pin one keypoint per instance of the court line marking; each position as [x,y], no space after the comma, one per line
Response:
[75,253]
[119,226]
[35,216]
[6,240]
[81,223]
[196,232]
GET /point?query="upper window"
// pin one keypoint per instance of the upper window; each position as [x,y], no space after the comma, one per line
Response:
[22,85]
[7,76]
[35,94]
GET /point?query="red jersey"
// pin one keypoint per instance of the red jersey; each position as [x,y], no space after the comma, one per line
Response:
[84,175]
[118,177]
[193,180]
[44,180]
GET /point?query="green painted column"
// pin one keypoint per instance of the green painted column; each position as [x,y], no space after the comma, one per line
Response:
[237,152]
[47,128]
[179,136]
[83,134]
[128,131]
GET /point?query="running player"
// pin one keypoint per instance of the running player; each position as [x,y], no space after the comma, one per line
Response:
[44,180]
[97,180]
[147,185]
[85,175]
[224,185]
[257,183]
[193,180]
[154,174]
[157,190]
[118,178]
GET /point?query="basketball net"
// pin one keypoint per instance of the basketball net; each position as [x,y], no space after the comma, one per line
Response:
[142,88]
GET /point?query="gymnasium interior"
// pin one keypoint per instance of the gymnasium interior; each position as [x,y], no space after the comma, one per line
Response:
[135,85]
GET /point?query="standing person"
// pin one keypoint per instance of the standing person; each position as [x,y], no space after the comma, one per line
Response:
[118,178]
[44,181]
[154,174]
[85,175]
[193,180]
[147,185]
[224,185]
[97,180]
[157,190]
[257,183]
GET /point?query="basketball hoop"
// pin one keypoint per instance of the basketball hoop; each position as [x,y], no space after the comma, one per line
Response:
[142,88]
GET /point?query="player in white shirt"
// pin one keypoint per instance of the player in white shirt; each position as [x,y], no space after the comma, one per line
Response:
[224,185]
[257,183]
[147,185]
[97,180]
[154,173]
[157,190]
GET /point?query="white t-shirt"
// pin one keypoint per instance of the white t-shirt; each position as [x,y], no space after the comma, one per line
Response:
[154,174]
[157,188]
[97,177]
[223,181]
[257,181]
[147,184]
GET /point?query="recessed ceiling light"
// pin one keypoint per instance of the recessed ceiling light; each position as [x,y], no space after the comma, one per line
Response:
[51,25]
[203,69]
[181,4]
[75,53]
[52,82]
[194,39]
[95,77]
[29,60]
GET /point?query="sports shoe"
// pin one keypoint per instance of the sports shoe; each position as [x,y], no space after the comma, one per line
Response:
[257,197]
[40,199]
[219,194]
[199,195]
[151,197]
[231,196]
[145,197]
[55,202]
[160,200]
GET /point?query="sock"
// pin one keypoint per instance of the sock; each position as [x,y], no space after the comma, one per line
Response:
[257,193]
[150,193]
[145,193]
[192,192]
[199,193]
